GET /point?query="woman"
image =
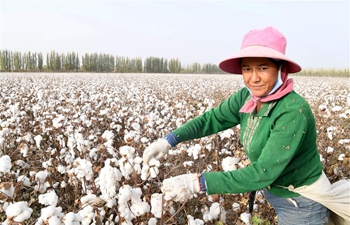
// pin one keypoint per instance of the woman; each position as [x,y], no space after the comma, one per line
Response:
[277,131]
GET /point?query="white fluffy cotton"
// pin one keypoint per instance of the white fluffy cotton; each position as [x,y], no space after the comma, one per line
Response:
[18,212]
[5,164]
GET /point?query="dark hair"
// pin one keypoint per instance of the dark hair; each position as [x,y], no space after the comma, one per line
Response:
[277,62]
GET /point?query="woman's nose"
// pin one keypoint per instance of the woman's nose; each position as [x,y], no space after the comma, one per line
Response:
[255,76]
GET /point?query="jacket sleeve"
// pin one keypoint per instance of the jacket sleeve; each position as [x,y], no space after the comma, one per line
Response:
[225,116]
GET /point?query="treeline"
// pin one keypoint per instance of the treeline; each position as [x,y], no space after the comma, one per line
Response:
[332,72]
[98,63]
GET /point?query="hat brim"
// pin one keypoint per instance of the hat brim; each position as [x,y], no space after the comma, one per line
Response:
[232,65]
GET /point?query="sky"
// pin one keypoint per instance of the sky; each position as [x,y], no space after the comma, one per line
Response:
[317,32]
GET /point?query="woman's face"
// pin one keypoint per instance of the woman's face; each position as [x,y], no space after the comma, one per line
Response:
[259,75]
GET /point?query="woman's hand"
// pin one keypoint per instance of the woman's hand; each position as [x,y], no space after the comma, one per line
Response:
[181,188]
[157,150]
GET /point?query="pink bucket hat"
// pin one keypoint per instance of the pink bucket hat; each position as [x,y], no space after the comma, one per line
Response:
[268,43]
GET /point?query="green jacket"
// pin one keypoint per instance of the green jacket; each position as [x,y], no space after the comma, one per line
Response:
[279,140]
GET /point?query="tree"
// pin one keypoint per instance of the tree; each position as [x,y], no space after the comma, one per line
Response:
[40,61]
[174,66]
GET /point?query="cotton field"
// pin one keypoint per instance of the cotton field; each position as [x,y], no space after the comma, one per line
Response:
[71,146]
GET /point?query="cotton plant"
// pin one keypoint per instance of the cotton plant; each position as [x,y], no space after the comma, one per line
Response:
[129,162]
[331,131]
[108,137]
[51,215]
[87,215]
[194,151]
[245,217]
[24,149]
[41,184]
[156,205]
[82,170]
[130,204]
[38,139]
[17,212]
[150,171]
[192,221]
[230,163]
[7,191]
[236,206]
[48,199]
[108,181]
[72,219]
[5,164]
[216,211]
[24,180]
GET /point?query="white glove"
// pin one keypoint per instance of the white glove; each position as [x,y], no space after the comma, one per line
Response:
[181,188]
[156,150]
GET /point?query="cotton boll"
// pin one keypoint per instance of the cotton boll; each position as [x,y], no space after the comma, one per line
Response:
[124,194]
[108,180]
[207,217]
[38,140]
[344,141]
[110,203]
[144,140]
[72,219]
[83,169]
[226,134]
[41,186]
[54,220]
[130,196]
[24,149]
[25,180]
[125,212]
[329,132]
[245,217]
[127,151]
[336,108]
[151,170]
[229,163]
[145,173]
[215,210]
[187,163]
[7,189]
[87,214]
[341,157]
[329,150]
[62,169]
[52,212]
[49,198]
[156,204]
[236,206]
[192,221]
[18,212]
[140,208]
[47,163]
[40,177]
[87,199]
[22,164]
[136,126]
[137,164]
[136,195]
[194,151]
[154,172]
[256,207]
[152,221]
[5,164]
[125,166]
